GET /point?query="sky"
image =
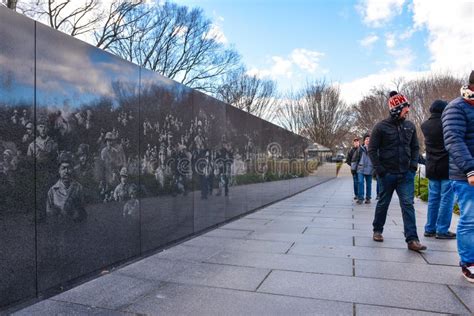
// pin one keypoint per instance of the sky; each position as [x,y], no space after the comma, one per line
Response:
[357,44]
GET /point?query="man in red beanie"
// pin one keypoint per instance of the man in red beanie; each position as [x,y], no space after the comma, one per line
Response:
[393,150]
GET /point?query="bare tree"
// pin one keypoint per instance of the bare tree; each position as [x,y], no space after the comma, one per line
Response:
[371,109]
[120,16]
[249,93]
[325,118]
[73,18]
[289,112]
[422,92]
[173,40]
[177,42]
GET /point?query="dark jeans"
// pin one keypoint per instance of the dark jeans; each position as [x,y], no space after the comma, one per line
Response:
[355,179]
[404,184]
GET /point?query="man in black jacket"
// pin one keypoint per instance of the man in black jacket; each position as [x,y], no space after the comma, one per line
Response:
[393,150]
[441,194]
[350,155]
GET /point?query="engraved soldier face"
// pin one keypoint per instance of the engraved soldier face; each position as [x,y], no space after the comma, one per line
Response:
[42,130]
[65,171]
[7,157]
[29,129]
[123,179]
[83,159]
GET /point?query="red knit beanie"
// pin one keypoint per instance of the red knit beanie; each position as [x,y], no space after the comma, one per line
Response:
[396,103]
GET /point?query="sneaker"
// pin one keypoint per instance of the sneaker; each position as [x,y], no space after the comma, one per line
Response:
[448,235]
[355,198]
[367,201]
[415,245]
[360,201]
[468,272]
[430,234]
[377,237]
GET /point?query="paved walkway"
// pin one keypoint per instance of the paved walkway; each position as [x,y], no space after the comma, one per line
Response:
[309,254]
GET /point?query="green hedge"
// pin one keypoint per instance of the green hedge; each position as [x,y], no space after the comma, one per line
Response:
[421,188]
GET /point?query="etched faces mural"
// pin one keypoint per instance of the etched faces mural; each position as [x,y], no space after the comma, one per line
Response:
[102,161]
[166,145]
[17,178]
[87,158]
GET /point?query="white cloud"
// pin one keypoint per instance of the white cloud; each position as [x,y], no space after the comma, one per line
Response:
[377,12]
[403,58]
[451,38]
[407,34]
[390,40]
[369,41]
[306,59]
[281,68]
[299,59]
[217,34]
[354,91]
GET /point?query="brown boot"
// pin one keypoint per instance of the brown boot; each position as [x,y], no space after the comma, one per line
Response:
[415,245]
[377,237]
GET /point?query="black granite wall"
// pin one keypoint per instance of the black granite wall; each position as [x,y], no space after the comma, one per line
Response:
[103,161]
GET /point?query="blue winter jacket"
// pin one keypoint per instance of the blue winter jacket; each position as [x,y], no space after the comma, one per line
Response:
[458,131]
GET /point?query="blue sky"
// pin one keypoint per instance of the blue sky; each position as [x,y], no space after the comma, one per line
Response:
[357,44]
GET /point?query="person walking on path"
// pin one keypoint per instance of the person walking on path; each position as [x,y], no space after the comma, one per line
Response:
[440,191]
[458,130]
[364,171]
[350,155]
[393,149]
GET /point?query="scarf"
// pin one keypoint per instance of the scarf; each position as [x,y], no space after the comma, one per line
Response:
[467,93]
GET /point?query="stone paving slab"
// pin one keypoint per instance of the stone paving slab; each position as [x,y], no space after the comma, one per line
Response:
[387,228]
[52,307]
[243,245]
[349,232]
[392,293]
[465,293]
[304,238]
[112,291]
[320,224]
[283,228]
[175,299]
[285,262]
[228,233]
[153,269]
[370,310]
[377,254]
[432,244]
[441,257]
[230,277]
[187,253]
[293,218]
[409,272]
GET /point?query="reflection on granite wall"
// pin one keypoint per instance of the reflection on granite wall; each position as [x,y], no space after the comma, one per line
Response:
[104,161]
[17,178]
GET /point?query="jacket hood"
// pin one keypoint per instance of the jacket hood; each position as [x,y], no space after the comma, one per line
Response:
[438,106]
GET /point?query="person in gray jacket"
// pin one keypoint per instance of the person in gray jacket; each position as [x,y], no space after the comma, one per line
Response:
[365,169]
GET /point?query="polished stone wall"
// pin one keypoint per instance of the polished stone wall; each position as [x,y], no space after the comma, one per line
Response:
[104,161]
